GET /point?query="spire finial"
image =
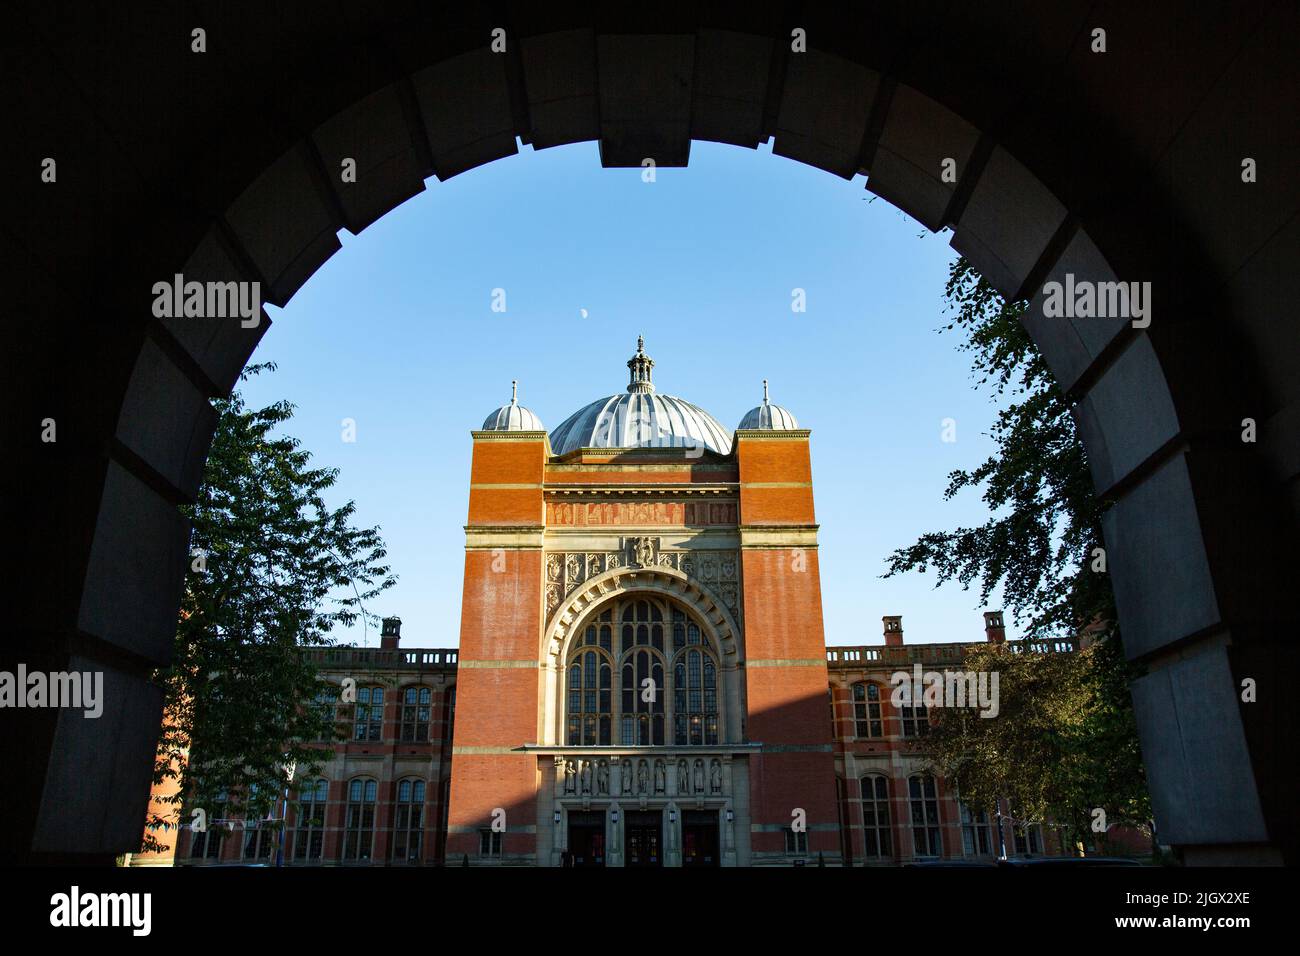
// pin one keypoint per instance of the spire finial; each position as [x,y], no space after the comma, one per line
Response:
[640,365]
[764,391]
[514,391]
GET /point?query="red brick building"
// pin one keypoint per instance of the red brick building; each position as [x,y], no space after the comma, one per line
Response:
[642,675]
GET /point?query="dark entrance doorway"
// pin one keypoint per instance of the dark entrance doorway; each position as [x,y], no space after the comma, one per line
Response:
[643,839]
[587,838]
[700,838]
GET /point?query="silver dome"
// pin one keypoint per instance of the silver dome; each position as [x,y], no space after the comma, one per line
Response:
[768,416]
[640,418]
[513,417]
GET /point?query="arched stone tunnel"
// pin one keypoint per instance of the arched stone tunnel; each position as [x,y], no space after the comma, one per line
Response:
[222,165]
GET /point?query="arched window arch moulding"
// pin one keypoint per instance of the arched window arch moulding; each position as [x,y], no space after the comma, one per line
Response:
[1157,413]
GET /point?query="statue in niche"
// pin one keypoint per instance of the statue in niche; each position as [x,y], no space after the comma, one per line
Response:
[642,772]
[602,778]
[586,776]
[643,551]
[660,777]
[683,777]
[570,776]
[699,776]
[625,771]
[715,777]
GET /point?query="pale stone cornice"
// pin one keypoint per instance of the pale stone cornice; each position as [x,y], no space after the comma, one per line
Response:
[778,536]
[541,436]
[606,467]
[675,452]
[772,434]
[512,538]
[657,489]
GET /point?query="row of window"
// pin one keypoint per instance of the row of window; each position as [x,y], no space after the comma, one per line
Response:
[979,836]
[309,831]
[867,719]
[366,716]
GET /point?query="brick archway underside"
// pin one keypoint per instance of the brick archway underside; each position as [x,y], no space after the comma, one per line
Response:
[220,166]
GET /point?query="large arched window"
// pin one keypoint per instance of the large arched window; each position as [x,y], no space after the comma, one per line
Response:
[666,672]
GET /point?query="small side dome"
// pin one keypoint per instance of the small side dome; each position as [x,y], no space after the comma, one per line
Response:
[768,416]
[513,417]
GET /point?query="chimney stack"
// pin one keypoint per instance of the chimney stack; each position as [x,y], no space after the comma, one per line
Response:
[893,630]
[391,634]
[994,630]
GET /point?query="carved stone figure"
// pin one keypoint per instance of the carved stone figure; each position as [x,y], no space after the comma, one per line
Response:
[715,777]
[642,773]
[602,778]
[586,776]
[699,776]
[570,776]
[683,777]
[643,551]
[660,777]
[625,772]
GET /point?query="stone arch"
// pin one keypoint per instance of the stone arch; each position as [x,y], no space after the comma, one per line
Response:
[1130,171]
[575,611]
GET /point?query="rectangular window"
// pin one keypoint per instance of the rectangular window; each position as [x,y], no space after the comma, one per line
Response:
[489,842]
[207,844]
[796,841]
[925,816]
[309,838]
[976,836]
[1028,840]
[875,817]
[916,720]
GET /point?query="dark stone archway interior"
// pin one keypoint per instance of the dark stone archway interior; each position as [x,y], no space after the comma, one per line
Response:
[222,165]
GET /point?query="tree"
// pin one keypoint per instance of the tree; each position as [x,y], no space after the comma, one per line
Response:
[274,569]
[1042,537]
[1063,745]
[1065,740]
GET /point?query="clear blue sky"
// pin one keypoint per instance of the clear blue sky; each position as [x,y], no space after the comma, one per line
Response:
[396,331]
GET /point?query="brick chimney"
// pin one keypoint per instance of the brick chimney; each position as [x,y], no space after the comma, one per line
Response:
[893,630]
[391,634]
[994,630]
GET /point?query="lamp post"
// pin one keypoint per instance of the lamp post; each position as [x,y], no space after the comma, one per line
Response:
[289,769]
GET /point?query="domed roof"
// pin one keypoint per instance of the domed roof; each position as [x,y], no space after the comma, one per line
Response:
[769,416]
[513,417]
[640,418]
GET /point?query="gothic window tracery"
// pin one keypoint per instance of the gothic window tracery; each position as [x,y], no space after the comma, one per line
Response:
[667,674]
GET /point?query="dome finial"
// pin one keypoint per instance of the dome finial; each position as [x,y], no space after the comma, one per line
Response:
[640,364]
[764,391]
[514,391]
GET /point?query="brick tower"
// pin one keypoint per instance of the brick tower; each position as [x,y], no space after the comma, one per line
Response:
[642,676]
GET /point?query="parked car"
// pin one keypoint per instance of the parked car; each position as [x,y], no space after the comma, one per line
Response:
[951,863]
